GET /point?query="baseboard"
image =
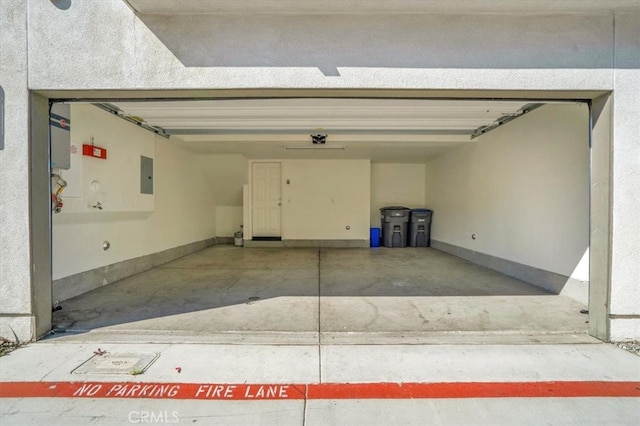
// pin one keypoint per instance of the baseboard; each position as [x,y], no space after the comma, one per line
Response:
[327,243]
[224,240]
[77,284]
[308,243]
[550,281]
[262,244]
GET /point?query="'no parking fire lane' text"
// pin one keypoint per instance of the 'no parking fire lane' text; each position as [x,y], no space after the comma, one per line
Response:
[311,391]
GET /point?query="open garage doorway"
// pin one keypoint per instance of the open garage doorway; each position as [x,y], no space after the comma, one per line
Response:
[155,193]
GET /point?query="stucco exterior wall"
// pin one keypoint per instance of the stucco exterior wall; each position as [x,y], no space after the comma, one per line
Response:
[15,256]
[625,238]
[106,46]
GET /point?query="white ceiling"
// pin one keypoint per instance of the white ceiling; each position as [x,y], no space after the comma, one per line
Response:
[390,130]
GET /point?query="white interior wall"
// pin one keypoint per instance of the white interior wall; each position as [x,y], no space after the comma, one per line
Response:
[324,197]
[114,182]
[225,174]
[522,189]
[178,213]
[396,185]
[229,219]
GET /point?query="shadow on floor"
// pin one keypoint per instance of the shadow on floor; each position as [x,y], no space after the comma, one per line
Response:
[228,289]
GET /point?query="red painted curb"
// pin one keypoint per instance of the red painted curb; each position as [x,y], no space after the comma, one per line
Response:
[247,392]
[473,390]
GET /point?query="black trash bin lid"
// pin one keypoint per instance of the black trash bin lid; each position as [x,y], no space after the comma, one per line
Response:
[394,208]
[421,211]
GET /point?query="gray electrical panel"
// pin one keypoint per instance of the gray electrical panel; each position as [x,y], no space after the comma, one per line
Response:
[60,136]
[146,175]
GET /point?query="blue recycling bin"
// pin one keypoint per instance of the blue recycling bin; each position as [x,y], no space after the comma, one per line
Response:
[374,234]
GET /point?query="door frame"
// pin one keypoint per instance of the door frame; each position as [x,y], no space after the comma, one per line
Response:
[248,233]
[601,213]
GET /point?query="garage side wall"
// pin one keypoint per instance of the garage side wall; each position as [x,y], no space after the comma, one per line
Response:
[143,230]
[519,195]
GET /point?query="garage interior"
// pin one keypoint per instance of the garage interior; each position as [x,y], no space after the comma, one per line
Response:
[507,180]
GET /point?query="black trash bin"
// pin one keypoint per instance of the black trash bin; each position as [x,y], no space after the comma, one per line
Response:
[420,228]
[395,220]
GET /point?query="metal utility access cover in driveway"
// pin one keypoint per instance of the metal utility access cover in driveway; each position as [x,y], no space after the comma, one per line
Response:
[127,363]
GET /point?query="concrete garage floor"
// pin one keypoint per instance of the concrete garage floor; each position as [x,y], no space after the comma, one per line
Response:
[227,294]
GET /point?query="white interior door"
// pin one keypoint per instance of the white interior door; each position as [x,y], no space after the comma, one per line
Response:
[265,190]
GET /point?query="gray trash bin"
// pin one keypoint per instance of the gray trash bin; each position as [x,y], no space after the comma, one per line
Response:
[395,220]
[420,228]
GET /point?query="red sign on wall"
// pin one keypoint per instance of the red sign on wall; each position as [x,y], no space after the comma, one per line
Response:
[94,151]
